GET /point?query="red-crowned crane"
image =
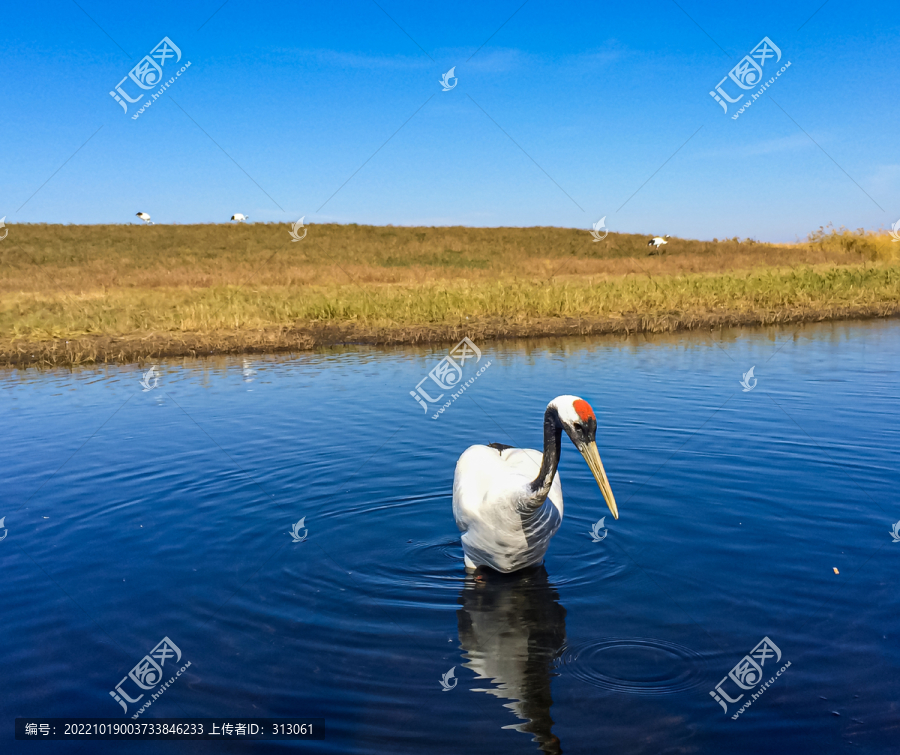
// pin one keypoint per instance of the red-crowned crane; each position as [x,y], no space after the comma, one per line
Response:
[657,241]
[508,501]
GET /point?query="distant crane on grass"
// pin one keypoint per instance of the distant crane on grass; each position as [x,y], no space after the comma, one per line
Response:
[657,241]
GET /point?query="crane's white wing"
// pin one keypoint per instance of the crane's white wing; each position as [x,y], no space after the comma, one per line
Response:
[489,505]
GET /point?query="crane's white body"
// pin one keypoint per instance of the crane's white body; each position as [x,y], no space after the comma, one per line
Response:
[658,241]
[494,509]
[239,217]
[144,216]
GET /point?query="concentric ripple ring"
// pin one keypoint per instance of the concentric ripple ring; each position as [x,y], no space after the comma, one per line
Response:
[637,666]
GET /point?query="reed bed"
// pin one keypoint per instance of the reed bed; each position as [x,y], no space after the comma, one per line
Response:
[100,293]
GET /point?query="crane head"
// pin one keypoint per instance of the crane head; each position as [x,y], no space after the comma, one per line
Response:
[577,418]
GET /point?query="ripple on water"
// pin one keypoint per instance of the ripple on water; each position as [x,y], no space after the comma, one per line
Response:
[439,563]
[431,564]
[571,572]
[636,666]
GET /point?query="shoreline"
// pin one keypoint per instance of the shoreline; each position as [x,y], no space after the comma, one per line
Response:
[146,347]
[82,295]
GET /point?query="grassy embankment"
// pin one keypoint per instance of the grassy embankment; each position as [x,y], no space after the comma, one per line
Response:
[75,294]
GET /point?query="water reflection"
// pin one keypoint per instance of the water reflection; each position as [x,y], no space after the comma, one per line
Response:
[512,629]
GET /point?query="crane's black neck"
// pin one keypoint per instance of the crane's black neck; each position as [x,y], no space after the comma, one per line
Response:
[540,486]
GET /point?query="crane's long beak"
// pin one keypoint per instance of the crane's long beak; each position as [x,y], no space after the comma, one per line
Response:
[592,457]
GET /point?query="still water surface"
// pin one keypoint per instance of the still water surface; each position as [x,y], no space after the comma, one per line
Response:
[134,515]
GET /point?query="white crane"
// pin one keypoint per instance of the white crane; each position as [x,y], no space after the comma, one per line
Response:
[144,216]
[240,218]
[657,241]
[508,501]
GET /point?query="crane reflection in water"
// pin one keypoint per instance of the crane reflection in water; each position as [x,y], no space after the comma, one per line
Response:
[512,629]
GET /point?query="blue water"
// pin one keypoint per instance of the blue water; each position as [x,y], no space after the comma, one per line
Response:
[134,515]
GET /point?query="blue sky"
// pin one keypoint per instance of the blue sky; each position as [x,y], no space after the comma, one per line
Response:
[567,113]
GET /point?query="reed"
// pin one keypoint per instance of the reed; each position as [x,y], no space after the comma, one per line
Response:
[126,292]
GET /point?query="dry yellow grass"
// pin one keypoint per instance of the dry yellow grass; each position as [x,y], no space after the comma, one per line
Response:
[87,293]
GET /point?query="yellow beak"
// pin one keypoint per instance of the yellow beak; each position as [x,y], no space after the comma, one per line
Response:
[592,457]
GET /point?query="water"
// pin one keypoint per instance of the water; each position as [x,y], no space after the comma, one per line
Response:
[134,515]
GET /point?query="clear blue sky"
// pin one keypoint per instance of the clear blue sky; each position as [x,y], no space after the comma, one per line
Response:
[599,95]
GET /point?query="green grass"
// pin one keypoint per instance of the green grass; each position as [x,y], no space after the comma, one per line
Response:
[32,317]
[206,284]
